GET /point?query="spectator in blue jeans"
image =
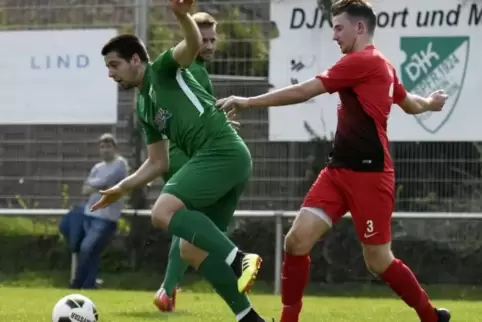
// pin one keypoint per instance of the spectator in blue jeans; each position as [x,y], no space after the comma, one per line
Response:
[88,233]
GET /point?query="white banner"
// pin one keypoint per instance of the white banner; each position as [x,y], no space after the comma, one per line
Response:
[56,77]
[432,43]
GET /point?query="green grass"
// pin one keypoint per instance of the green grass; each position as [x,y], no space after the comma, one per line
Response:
[22,304]
[20,226]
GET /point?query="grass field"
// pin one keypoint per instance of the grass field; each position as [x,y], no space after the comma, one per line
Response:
[22,304]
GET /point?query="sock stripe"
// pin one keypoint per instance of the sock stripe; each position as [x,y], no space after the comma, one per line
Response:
[241,315]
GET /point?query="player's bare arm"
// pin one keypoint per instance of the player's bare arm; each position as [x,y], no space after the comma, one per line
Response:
[414,104]
[156,164]
[289,95]
[186,51]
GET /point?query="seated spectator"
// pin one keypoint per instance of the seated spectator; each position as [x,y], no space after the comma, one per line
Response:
[88,233]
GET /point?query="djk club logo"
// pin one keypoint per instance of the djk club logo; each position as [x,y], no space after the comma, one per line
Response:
[434,63]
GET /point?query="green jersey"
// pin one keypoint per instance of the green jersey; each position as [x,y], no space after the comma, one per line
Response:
[200,73]
[173,105]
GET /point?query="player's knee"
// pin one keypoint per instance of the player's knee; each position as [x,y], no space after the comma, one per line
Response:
[191,255]
[296,243]
[163,210]
[378,257]
[159,220]
[305,231]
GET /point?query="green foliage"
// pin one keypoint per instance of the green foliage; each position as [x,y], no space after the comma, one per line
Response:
[244,44]
[65,196]
[123,226]
[25,204]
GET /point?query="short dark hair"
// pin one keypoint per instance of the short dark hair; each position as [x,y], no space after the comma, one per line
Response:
[108,138]
[204,20]
[126,46]
[358,9]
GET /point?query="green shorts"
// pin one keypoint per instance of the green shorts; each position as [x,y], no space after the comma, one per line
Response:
[213,180]
[177,159]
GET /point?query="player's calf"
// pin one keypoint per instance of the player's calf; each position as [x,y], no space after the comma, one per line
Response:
[380,260]
[308,227]
[169,213]
[192,255]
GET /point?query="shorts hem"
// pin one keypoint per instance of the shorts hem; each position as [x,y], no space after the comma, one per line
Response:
[374,242]
[178,196]
[320,213]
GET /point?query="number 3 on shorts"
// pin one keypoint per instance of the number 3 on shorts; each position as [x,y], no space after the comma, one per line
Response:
[370,227]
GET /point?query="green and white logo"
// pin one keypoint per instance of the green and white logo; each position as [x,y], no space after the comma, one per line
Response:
[435,63]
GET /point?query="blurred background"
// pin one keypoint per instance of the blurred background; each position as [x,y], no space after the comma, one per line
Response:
[44,158]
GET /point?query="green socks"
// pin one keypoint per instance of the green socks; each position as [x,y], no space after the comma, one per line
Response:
[224,282]
[175,267]
[197,229]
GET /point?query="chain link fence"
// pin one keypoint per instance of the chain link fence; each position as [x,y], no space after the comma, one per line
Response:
[41,165]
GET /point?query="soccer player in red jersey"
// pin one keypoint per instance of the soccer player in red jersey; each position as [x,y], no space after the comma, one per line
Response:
[359,177]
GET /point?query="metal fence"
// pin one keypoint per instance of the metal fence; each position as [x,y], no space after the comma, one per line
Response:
[41,165]
[459,254]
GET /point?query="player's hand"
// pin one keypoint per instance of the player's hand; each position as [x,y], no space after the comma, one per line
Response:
[232,102]
[437,100]
[109,196]
[231,115]
[181,7]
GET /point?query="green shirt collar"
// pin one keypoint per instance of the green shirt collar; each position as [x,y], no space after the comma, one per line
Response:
[199,61]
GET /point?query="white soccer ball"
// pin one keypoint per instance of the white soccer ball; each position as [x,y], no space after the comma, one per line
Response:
[75,308]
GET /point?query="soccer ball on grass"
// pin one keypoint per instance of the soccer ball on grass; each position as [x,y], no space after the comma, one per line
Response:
[75,308]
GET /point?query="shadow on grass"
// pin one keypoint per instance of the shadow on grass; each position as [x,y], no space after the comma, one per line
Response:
[154,315]
[150,281]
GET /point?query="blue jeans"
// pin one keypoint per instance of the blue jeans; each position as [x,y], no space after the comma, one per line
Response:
[92,235]
[71,227]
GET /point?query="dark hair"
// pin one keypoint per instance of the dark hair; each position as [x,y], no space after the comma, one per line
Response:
[108,138]
[358,9]
[126,46]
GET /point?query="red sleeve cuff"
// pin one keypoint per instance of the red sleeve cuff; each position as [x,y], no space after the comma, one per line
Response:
[401,97]
[326,83]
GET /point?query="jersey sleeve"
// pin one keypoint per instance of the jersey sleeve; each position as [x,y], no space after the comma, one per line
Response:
[346,73]
[151,135]
[202,77]
[165,64]
[399,91]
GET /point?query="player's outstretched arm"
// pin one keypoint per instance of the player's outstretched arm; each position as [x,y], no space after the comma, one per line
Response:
[294,94]
[156,164]
[186,51]
[414,104]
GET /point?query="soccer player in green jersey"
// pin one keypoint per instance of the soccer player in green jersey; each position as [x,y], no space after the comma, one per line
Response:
[172,105]
[165,297]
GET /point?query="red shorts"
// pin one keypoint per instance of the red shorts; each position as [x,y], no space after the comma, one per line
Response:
[368,196]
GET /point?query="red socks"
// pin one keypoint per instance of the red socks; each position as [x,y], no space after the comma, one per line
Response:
[294,277]
[404,283]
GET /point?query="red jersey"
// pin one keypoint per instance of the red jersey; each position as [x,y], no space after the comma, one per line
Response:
[368,86]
